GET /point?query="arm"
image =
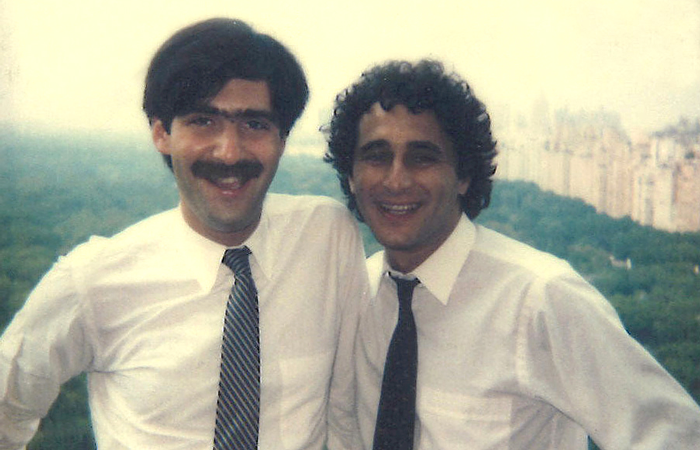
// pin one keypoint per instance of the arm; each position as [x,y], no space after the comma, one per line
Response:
[580,359]
[42,348]
[343,432]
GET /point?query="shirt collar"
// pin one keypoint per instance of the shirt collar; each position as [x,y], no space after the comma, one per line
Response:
[439,272]
[262,258]
[203,257]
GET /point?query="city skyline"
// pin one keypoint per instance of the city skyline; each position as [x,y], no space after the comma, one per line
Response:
[653,179]
[79,65]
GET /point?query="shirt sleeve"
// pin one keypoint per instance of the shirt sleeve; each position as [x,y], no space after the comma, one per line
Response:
[575,354]
[343,431]
[42,348]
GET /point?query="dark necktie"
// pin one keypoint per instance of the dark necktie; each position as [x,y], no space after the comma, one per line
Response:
[238,407]
[397,403]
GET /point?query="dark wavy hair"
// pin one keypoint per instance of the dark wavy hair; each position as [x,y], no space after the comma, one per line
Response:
[419,87]
[196,62]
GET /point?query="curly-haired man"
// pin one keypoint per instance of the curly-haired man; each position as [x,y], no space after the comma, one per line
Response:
[492,344]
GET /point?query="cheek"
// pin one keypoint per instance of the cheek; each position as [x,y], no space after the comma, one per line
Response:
[363,179]
[269,155]
[186,151]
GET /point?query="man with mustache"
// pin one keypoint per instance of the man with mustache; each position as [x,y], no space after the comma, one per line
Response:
[473,340]
[226,323]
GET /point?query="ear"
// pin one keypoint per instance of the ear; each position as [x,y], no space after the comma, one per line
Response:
[463,186]
[161,138]
[351,183]
[283,145]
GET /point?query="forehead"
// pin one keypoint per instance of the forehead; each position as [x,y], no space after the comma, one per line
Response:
[399,126]
[240,94]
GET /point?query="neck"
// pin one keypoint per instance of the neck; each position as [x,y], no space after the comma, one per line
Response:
[404,262]
[228,238]
[407,259]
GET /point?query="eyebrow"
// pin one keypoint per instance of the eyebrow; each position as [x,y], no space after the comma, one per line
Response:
[371,145]
[250,113]
[426,145]
[412,145]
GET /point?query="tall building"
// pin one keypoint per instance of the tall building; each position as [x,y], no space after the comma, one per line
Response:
[654,180]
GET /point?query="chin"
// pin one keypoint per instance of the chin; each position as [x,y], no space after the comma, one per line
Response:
[396,243]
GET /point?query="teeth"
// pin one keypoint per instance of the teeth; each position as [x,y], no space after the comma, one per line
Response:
[229,182]
[398,209]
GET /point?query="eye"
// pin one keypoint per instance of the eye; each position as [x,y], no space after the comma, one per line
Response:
[376,156]
[425,154]
[258,124]
[199,121]
[423,159]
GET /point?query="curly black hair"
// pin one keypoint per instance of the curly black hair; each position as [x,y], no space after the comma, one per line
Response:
[419,87]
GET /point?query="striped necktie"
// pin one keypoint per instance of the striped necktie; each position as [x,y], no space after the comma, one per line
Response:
[397,403]
[238,406]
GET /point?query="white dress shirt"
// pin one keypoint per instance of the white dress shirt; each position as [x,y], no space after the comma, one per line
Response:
[142,314]
[516,351]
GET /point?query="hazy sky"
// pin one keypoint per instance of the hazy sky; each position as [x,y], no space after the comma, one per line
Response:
[80,64]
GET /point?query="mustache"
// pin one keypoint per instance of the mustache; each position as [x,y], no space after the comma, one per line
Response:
[241,169]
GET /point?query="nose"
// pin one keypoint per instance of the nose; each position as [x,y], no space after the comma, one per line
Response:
[229,146]
[398,177]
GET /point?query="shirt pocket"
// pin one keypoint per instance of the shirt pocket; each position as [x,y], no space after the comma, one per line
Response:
[305,387]
[449,418]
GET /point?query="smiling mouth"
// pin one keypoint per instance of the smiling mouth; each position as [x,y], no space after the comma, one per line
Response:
[227,177]
[228,183]
[398,209]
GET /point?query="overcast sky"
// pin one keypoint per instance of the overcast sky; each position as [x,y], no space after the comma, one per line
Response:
[80,64]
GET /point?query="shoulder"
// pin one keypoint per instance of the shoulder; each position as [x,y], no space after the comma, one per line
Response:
[318,224]
[517,272]
[141,238]
[548,284]
[375,269]
[304,209]
[492,247]
[375,263]
[276,204]
[65,285]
